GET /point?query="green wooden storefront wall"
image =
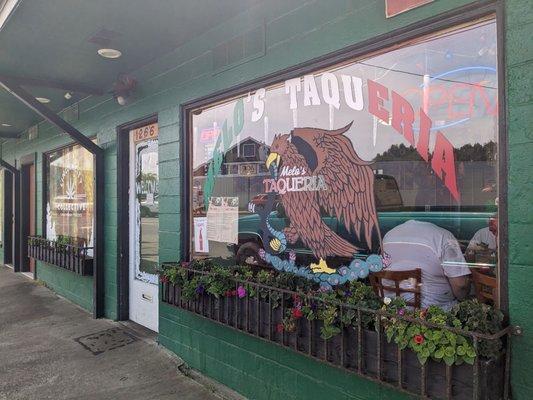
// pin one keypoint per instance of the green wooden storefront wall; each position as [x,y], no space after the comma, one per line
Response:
[296,31]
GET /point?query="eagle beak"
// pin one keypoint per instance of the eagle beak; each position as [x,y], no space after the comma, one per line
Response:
[273,158]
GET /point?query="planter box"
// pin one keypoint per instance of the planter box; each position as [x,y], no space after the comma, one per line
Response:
[72,258]
[256,317]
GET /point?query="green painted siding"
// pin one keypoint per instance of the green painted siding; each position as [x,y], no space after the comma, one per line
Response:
[296,31]
[78,290]
[519,60]
[258,370]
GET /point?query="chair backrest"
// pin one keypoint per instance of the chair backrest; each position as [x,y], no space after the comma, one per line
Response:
[397,277]
[486,287]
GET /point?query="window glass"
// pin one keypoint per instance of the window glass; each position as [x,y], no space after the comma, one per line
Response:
[2,207]
[327,164]
[148,204]
[70,195]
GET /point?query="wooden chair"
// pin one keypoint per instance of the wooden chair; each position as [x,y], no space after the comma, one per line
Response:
[397,277]
[486,287]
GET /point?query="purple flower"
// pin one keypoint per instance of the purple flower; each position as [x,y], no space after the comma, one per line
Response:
[200,289]
[292,256]
[401,311]
[347,293]
[241,292]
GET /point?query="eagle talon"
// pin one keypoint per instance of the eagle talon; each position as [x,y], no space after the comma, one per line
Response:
[275,244]
[322,267]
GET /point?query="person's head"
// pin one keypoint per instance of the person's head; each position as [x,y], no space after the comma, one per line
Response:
[493,224]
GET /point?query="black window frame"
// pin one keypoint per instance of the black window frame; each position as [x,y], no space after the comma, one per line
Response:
[462,15]
[45,164]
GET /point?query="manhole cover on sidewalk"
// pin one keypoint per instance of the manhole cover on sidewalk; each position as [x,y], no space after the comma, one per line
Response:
[103,341]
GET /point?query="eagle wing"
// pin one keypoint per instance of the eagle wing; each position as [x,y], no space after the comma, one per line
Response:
[304,215]
[349,180]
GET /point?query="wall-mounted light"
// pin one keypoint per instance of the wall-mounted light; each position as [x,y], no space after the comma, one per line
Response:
[6,125]
[123,88]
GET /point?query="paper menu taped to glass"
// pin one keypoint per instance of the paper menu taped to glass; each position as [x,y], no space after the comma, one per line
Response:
[223,219]
[201,243]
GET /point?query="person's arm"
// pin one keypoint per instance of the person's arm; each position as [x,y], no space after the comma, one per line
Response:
[455,269]
[460,286]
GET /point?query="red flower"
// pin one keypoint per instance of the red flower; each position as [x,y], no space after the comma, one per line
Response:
[419,339]
[234,293]
[279,328]
[297,313]
[164,279]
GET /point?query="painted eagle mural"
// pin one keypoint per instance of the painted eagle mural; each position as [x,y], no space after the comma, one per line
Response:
[348,194]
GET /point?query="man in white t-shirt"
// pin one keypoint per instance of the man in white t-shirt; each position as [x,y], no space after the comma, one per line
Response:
[445,276]
[486,236]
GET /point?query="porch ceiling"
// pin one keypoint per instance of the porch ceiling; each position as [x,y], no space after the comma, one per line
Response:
[58,40]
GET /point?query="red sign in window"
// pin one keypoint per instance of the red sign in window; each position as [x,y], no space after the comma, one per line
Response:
[395,7]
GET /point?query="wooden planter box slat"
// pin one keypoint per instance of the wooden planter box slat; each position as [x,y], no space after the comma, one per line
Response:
[69,257]
[256,317]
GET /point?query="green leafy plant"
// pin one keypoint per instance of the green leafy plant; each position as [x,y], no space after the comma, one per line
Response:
[482,318]
[337,309]
[426,342]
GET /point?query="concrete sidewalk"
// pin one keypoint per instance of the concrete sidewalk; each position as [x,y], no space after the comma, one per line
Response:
[47,352]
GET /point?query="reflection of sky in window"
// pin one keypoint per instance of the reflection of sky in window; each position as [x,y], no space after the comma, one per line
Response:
[470,52]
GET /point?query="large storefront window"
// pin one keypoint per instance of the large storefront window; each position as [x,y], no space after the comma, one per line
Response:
[2,207]
[70,195]
[395,153]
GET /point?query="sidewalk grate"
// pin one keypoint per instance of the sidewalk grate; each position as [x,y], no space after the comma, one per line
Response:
[109,339]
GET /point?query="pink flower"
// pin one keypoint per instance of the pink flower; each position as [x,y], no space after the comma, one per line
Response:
[280,328]
[292,256]
[297,313]
[386,258]
[241,292]
[418,339]
[401,311]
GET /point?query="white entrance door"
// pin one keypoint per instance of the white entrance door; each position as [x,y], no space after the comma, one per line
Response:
[144,227]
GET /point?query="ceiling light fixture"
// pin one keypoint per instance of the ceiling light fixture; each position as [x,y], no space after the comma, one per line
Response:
[6,125]
[68,95]
[42,100]
[109,53]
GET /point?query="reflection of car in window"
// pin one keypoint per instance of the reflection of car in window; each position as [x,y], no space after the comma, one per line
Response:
[462,222]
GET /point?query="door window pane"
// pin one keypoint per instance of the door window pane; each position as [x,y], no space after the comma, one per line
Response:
[147,190]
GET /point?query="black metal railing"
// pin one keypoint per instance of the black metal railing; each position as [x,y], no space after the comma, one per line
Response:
[77,259]
[356,349]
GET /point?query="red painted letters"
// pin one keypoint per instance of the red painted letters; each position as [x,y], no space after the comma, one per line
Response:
[443,160]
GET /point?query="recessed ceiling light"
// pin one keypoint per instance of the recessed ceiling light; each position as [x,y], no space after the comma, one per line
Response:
[109,53]
[6,125]
[43,100]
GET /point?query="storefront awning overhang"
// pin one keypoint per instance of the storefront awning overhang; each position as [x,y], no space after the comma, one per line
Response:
[50,60]
[50,49]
